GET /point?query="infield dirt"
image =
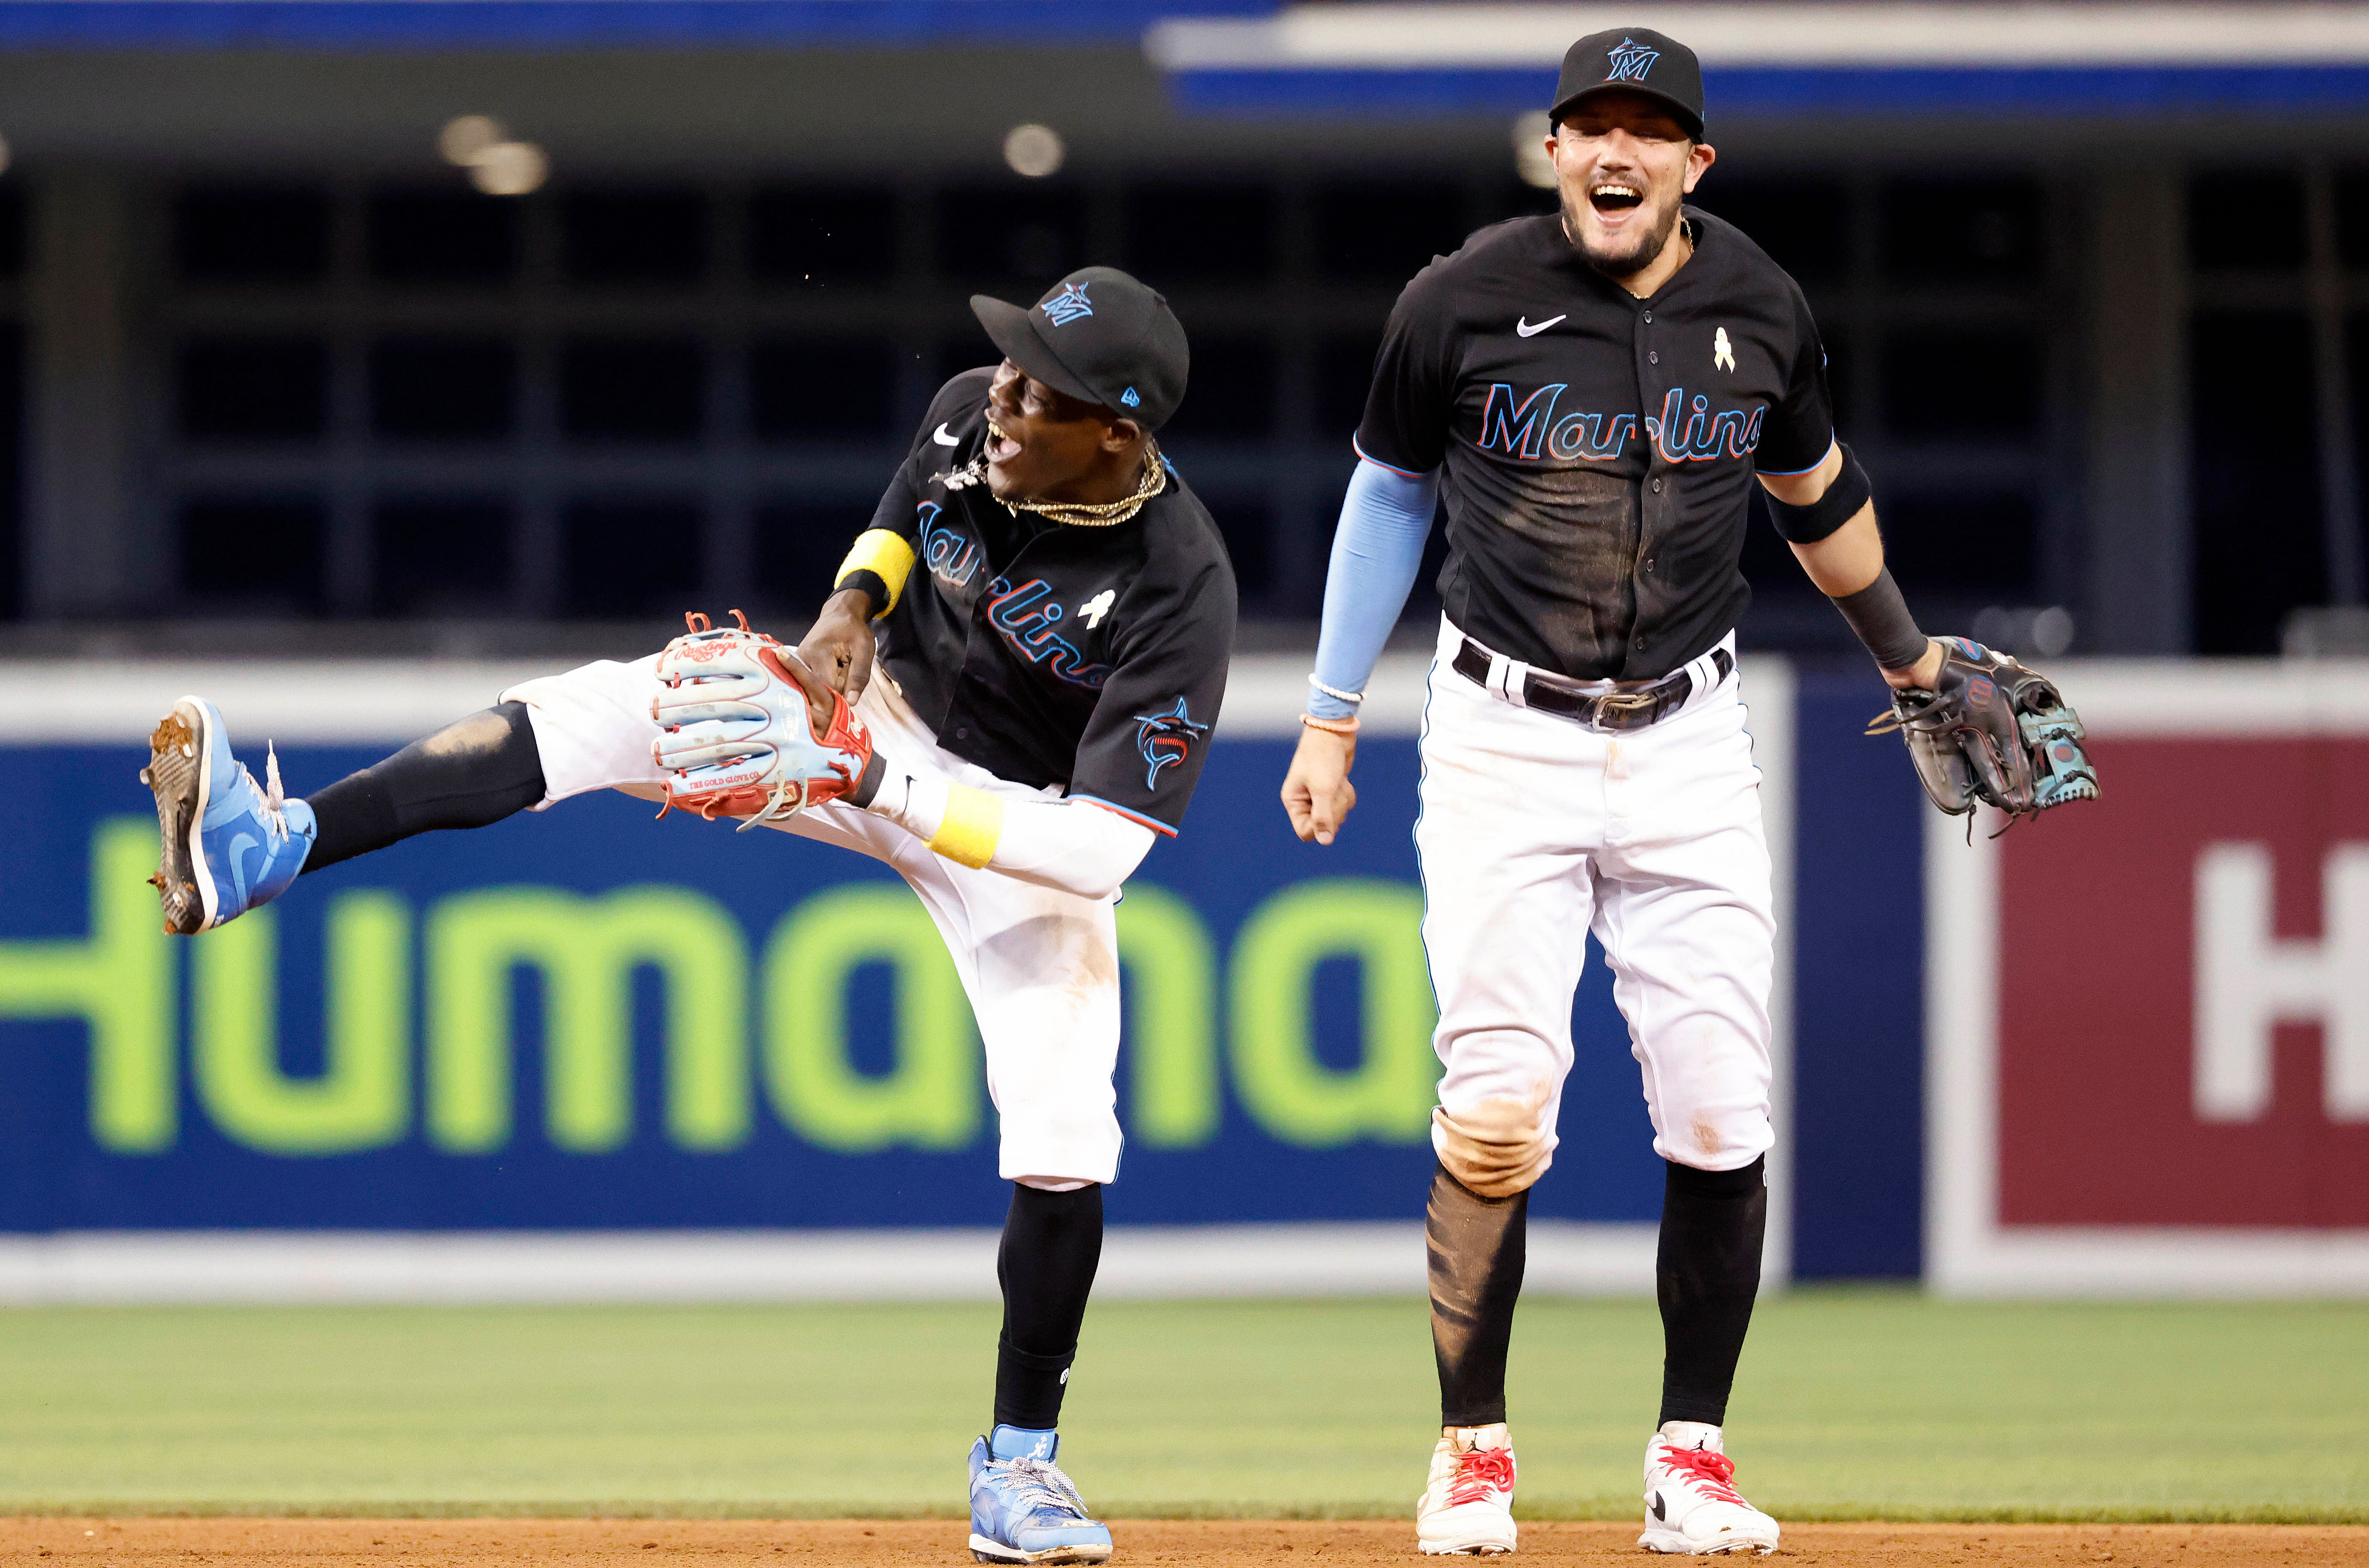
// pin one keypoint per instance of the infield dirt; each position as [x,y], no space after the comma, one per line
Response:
[397,1543]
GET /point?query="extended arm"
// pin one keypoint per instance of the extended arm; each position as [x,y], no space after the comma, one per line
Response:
[1827,515]
[1376,551]
[1073,845]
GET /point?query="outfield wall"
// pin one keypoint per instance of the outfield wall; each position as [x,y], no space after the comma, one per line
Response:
[580,1056]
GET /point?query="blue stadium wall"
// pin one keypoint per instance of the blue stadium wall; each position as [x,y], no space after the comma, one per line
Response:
[584,1020]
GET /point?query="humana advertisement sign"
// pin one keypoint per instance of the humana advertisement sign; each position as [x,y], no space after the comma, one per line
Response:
[584,1019]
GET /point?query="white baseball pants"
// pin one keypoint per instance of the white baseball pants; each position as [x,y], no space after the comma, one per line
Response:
[1040,966]
[1535,830]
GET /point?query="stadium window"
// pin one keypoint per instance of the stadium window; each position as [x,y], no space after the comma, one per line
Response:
[1962,545]
[2271,238]
[1201,233]
[800,388]
[1344,369]
[12,230]
[798,546]
[12,470]
[1960,230]
[1230,392]
[1016,238]
[443,556]
[1800,223]
[2352,192]
[253,389]
[624,559]
[1386,232]
[252,555]
[443,388]
[442,237]
[1247,522]
[609,237]
[252,234]
[632,389]
[823,237]
[2259,545]
[1961,383]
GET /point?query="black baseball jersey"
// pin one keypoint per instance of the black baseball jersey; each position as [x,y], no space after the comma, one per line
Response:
[1600,448]
[1048,653]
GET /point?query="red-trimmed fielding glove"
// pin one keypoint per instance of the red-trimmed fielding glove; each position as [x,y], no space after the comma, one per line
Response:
[750,731]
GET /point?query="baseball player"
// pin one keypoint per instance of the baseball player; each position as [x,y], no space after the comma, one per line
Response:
[1592,396]
[1008,697]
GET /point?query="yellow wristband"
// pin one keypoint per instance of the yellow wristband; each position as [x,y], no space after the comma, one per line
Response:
[886,555]
[971,828]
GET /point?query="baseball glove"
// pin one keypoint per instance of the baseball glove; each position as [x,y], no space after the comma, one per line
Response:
[1993,732]
[749,731]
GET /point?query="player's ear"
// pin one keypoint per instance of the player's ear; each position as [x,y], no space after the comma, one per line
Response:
[1121,434]
[1701,156]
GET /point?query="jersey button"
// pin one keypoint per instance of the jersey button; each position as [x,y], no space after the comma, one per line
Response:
[1649,318]
[1653,356]
[962,735]
[1657,486]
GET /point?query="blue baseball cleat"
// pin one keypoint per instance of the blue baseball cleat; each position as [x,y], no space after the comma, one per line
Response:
[228,845]
[1023,1509]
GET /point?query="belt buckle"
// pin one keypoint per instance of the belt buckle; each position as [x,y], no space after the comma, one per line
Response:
[1626,710]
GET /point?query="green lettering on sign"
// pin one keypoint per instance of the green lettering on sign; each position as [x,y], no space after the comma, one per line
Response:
[1172,1050]
[363,1098]
[588,950]
[929,1100]
[120,982]
[1293,1096]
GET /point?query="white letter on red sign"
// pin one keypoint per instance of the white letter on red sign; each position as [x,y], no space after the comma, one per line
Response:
[2248,978]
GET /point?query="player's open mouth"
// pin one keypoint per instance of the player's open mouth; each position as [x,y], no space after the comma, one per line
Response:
[1614,197]
[1000,448]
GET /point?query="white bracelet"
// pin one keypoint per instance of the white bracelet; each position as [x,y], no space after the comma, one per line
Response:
[1335,692]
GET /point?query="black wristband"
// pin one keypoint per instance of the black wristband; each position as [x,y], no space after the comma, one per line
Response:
[865,581]
[1881,617]
[1807,525]
[867,787]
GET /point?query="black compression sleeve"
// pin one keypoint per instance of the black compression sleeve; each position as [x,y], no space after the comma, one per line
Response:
[1052,1244]
[1881,617]
[1848,493]
[1477,1248]
[1706,1274]
[469,774]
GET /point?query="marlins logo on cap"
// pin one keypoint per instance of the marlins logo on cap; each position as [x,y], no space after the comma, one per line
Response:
[1068,305]
[1631,61]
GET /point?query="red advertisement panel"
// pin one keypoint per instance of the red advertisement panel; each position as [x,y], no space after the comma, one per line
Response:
[2183,988]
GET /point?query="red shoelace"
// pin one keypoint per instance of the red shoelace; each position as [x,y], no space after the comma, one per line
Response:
[1709,1472]
[1478,1472]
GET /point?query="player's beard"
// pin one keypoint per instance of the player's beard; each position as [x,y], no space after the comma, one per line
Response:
[1628,263]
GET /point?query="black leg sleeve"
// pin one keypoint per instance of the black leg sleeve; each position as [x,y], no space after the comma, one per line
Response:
[470,774]
[1052,1244]
[1477,1248]
[1707,1274]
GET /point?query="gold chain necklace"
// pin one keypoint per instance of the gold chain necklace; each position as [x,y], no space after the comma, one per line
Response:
[1078,514]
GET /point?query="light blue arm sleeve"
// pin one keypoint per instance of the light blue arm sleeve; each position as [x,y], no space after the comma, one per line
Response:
[1376,551]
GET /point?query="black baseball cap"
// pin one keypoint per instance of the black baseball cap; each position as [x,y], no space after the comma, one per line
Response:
[1100,336]
[1636,60]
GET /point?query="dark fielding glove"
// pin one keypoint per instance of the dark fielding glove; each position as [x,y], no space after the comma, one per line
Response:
[1993,732]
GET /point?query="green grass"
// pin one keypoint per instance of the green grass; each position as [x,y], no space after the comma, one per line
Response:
[1852,1405]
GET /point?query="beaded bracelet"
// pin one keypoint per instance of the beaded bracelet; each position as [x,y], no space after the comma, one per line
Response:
[1330,725]
[1335,692]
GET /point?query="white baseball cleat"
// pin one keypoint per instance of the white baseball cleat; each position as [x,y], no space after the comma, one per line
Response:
[1691,1505]
[1468,1505]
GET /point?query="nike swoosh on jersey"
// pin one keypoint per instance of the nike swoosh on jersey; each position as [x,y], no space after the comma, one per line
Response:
[940,436]
[1522,325]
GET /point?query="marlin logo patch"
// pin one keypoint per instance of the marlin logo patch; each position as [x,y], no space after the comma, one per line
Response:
[1068,305]
[1164,738]
[1631,61]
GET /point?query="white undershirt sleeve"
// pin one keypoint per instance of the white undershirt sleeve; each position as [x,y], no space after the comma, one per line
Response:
[1069,844]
